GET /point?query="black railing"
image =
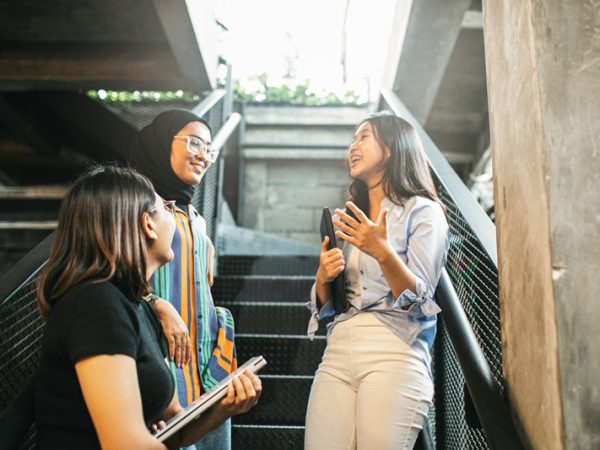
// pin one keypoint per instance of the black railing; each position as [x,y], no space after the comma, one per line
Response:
[21,326]
[470,406]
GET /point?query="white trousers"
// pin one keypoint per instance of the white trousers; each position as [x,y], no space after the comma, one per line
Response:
[371,390]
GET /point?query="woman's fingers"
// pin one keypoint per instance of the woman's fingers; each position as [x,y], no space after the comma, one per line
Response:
[158,426]
[172,346]
[240,393]
[324,244]
[347,218]
[362,217]
[187,349]
[345,228]
[347,238]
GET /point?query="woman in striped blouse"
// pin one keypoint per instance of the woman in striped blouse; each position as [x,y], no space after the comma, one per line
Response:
[174,152]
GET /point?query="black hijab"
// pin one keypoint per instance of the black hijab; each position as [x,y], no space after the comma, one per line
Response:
[150,153]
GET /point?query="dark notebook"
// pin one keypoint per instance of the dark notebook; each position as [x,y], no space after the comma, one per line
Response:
[338,286]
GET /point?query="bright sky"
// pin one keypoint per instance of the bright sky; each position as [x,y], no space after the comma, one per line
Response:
[305,38]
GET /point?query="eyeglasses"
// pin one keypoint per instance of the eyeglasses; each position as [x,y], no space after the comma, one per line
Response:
[195,145]
[169,205]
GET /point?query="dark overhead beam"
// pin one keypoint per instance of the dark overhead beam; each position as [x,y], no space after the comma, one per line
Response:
[191,31]
[22,71]
[415,73]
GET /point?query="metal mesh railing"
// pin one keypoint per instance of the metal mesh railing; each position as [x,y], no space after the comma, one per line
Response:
[21,329]
[475,280]
[474,275]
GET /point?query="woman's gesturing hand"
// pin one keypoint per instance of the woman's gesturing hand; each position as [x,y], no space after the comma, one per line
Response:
[174,329]
[331,263]
[368,236]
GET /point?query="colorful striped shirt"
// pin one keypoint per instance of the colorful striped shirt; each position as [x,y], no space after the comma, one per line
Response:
[185,282]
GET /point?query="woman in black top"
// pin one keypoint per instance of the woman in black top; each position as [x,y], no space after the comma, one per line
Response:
[103,381]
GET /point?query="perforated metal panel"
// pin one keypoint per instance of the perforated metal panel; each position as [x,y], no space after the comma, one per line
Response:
[21,329]
[475,279]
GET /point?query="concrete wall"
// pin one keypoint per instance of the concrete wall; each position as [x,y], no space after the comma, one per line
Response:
[286,197]
[543,72]
[294,165]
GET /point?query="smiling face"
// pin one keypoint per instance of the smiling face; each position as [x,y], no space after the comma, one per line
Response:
[366,157]
[190,168]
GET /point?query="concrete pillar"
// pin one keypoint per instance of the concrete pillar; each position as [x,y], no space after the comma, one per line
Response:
[423,36]
[543,75]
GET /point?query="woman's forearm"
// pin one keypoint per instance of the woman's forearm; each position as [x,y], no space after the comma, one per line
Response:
[398,276]
[323,291]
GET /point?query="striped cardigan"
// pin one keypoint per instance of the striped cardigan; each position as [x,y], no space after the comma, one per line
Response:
[185,282]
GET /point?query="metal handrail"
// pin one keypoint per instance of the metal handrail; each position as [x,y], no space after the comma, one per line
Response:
[226,131]
[208,102]
[220,140]
[25,268]
[491,408]
[481,225]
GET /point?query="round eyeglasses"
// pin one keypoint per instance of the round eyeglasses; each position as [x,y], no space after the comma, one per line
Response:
[195,145]
[169,205]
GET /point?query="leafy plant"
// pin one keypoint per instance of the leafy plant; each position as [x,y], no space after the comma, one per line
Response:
[144,96]
[293,94]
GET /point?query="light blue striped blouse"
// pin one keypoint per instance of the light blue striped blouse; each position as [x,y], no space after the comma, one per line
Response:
[418,232]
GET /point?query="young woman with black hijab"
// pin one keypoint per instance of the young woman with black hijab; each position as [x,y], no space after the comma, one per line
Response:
[174,152]
[103,382]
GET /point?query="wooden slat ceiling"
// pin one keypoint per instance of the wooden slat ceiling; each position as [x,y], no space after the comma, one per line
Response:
[111,44]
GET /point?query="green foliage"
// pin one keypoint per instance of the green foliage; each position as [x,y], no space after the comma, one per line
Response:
[298,94]
[144,96]
[262,92]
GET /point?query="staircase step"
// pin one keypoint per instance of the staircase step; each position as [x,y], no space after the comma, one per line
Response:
[262,288]
[283,401]
[28,209]
[252,437]
[285,355]
[283,318]
[268,265]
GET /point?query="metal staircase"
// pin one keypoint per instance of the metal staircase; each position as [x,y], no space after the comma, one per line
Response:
[266,295]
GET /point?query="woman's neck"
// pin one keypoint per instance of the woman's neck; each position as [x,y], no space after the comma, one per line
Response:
[151,267]
[376,196]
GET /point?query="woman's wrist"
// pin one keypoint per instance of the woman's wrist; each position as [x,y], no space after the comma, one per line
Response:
[152,300]
[385,254]
[320,279]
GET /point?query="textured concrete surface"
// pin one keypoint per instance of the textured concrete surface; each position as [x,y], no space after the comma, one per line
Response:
[285,187]
[543,72]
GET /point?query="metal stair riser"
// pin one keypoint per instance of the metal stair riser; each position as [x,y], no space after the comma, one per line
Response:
[239,288]
[267,438]
[282,402]
[268,265]
[25,209]
[270,318]
[284,355]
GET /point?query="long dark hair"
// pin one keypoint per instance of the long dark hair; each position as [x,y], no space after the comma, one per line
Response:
[99,235]
[406,172]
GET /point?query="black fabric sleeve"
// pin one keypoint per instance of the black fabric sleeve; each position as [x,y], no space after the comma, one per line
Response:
[101,321]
